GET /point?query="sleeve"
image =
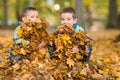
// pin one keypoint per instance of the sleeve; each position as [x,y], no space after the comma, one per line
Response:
[16,39]
[77,27]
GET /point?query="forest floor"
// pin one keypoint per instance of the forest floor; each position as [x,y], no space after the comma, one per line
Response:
[105,56]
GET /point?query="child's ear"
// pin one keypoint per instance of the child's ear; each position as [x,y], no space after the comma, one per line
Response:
[75,20]
[23,19]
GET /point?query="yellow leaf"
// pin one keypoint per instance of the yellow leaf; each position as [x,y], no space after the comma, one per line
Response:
[34,53]
[40,26]
[84,71]
[2,73]
[2,64]
[24,72]
[15,52]
[19,31]
[78,56]
[35,61]
[22,51]
[23,42]
[56,71]
[70,62]
[66,37]
[36,33]
[40,65]
[107,60]
[100,71]
[51,78]
[70,42]
[16,67]
[60,55]
[29,28]
[80,63]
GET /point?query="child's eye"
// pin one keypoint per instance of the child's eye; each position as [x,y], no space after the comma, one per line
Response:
[62,19]
[32,16]
[68,19]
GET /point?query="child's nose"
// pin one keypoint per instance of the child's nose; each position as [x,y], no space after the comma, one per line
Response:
[35,18]
[65,21]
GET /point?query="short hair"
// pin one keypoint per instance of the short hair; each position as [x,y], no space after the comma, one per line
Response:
[69,10]
[24,12]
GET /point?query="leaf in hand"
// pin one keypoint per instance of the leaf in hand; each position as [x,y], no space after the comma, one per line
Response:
[70,62]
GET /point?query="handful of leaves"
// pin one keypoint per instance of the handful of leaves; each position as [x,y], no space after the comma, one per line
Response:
[32,34]
[64,39]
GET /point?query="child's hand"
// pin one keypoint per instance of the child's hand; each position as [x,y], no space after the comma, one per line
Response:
[75,49]
[41,45]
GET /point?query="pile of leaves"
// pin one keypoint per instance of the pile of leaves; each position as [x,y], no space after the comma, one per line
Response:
[65,39]
[34,60]
[104,63]
[32,34]
[63,65]
[105,59]
[68,65]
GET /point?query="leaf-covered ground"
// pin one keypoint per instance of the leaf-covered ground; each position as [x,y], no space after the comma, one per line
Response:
[104,63]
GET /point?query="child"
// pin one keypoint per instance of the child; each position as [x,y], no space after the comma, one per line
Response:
[28,14]
[68,16]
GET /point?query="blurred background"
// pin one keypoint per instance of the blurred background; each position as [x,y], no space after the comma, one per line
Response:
[92,14]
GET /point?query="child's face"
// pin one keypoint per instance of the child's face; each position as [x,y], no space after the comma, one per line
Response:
[30,16]
[67,18]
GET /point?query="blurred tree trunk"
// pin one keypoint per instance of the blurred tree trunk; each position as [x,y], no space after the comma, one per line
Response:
[5,13]
[112,22]
[79,7]
[88,18]
[17,10]
[118,22]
